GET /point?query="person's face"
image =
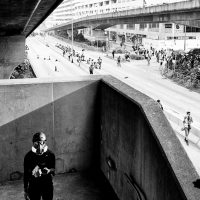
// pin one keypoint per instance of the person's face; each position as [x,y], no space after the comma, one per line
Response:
[39,146]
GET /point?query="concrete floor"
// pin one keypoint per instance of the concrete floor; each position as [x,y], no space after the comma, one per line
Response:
[74,186]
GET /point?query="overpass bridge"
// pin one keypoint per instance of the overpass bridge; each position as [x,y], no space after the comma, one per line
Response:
[87,124]
[186,13]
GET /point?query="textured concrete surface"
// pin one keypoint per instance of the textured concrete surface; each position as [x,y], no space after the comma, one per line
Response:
[139,139]
[12,50]
[65,111]
[75,186]
[97,123]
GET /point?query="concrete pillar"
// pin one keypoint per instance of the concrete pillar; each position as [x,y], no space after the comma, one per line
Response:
[12,51]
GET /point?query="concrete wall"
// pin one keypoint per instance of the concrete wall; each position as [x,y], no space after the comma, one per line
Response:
[12,51]
[65,111]
[137,137]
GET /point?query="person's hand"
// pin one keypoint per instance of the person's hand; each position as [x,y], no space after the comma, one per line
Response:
[26,196]
[36,172]
[46,170]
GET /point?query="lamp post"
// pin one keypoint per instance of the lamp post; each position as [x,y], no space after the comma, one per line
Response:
[72,36]
[185,38]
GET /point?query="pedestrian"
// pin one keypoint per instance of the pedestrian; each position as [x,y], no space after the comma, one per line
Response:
[91,68]
[63,53]
[95,65]
[69,55]
[113,54]
[39,167]
[159,103]
[79,61]
[119,61]
[187,125]
[161,60]
[55,69]
[148,59]
[88,61]
[99,62]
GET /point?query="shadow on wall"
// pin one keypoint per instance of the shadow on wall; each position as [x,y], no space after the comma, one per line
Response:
[71,125]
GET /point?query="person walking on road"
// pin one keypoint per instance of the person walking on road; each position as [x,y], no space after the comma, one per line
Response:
[99,62]
[91,68]
[187,125]
[119,61]
[113,54]
[159,103]
[79,61]
[148,59]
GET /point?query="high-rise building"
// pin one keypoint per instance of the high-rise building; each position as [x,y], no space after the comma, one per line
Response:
[94,7]
[64,12]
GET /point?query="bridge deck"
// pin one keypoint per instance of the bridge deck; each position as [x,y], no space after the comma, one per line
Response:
[74,186]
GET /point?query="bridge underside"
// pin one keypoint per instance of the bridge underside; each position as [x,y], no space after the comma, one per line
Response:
[17,20]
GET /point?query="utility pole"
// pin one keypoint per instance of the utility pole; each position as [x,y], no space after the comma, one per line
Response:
[185,38]
[72,35]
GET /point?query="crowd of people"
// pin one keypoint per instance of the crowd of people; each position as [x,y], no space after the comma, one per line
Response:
[79,57]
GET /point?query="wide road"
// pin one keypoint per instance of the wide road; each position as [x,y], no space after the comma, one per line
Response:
[138,74]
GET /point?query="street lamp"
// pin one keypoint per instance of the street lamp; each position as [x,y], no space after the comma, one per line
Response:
[72,35]
[185,37]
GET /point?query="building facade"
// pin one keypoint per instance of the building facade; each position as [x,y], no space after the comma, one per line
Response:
[64,13]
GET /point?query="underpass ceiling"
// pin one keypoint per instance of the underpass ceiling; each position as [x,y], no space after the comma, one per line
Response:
[21,17]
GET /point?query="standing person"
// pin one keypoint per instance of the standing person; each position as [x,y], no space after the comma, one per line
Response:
[79,61]
[159,103]
[187,125]
[148,59]
[39,167]
[119,61]
[161,59]
[99,62]
[113,54]
[91,68]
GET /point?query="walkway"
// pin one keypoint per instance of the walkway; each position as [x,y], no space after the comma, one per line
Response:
[74,186]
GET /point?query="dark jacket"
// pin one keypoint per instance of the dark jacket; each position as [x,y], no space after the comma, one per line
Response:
[31,160]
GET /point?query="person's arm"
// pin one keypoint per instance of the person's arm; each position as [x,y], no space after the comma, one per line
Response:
[51,166]
[26,178]
[184,120]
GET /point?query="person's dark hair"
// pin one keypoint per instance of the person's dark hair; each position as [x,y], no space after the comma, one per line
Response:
[158,101]
[37,136]
[188,112]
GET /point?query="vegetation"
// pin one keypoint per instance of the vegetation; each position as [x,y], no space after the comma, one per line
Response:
[186,69]
[24,70]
